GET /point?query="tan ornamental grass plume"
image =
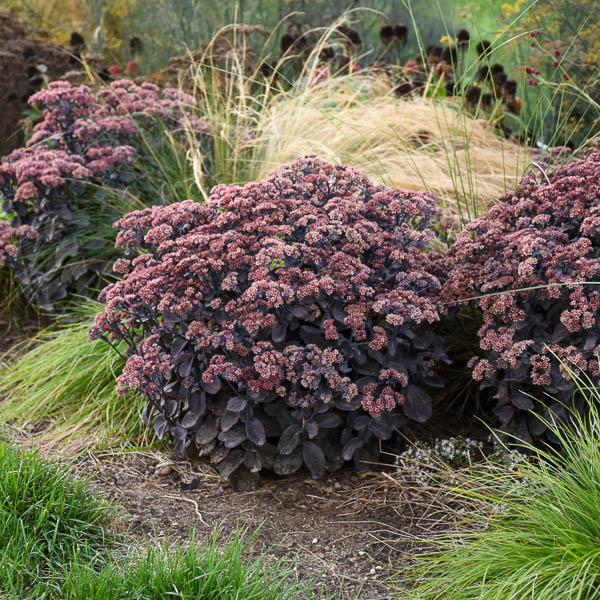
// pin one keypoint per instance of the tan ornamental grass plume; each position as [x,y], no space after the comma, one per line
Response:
[414,144]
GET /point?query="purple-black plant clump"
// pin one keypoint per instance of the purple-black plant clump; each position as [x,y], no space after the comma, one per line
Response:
[54,189]
[286,322]
[545,237]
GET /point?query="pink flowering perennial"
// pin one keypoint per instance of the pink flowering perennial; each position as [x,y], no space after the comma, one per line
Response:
[86,142]
[286,322]
[538,247]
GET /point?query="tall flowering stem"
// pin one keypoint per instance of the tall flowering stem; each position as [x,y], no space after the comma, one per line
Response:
[545,235]
[285,322]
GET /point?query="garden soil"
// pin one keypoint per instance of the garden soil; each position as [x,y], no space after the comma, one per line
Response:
[347,532]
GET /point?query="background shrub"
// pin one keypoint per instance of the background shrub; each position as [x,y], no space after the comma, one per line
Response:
[544,237]
[285,322]
[564,102]
[92,157]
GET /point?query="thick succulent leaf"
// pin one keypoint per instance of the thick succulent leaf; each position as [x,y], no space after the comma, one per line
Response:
[285,465]
[180,448]
[179,343]
[178,432]
[522,401]
[312,335]
[278,332]
[237,403]
[361,422]
[311,428]
[328,420]
[314,459]
[219,454]
[505,414]
[190,419]
[185,362]
[299,311]
[229,419]
[234,436]
[160,426]
[255,431]
[253,460]
[424,339]
[289,440]
[198,403]
[230,463]
[381,429]
[559,334]
[208,430]
[417,403]
[214,387]
[350,447]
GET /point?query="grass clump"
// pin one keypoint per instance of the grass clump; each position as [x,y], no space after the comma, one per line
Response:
[64,387]
[415,144]
[48,521]
[212,571]
[532,532]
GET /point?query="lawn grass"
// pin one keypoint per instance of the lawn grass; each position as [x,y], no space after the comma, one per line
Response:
[48,521]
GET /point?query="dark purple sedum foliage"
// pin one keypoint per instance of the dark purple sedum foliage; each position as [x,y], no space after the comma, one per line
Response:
[286,322]
[547,233]
[55,189]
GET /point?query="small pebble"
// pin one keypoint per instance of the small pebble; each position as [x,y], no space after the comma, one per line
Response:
[163,470]
[315,540]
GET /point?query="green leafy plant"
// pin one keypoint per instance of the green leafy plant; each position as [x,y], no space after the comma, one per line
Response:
[227,569]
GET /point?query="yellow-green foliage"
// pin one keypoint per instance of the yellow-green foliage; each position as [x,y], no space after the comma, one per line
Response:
[58,17]
[103,23]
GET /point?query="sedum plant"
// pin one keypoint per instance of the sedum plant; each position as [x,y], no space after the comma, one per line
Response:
[285,322]
[82,168]
[531,264]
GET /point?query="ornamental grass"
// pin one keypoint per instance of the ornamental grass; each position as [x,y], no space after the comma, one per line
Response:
[415,144]
[527,532]
[61,388]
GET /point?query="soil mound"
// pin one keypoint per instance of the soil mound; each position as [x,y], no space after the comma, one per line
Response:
[27,60]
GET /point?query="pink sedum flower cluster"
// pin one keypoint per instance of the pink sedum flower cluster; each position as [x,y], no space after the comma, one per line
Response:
[86,140]
[311,294]
[544,241]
